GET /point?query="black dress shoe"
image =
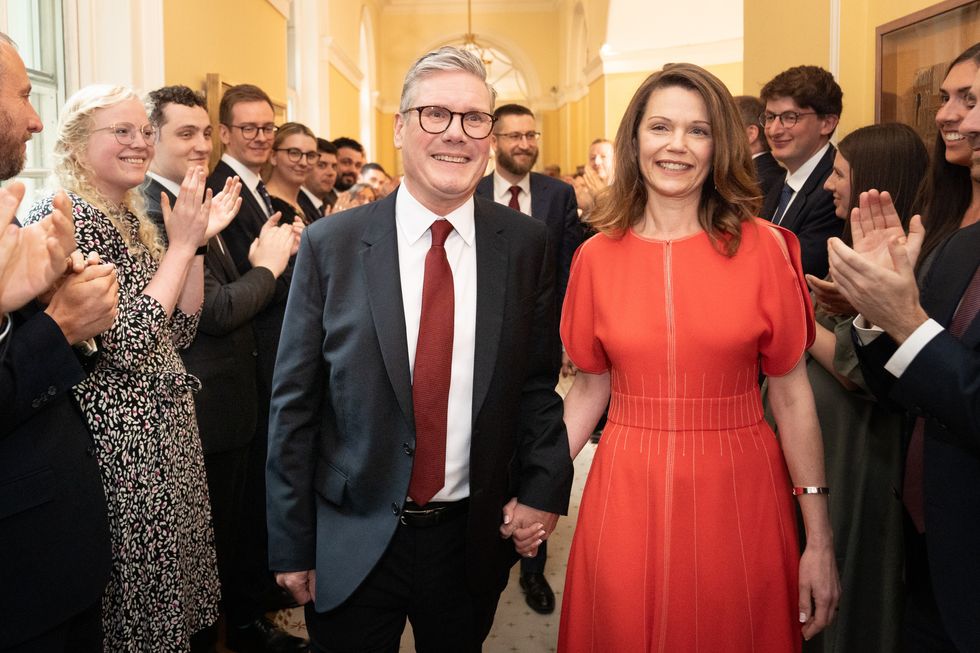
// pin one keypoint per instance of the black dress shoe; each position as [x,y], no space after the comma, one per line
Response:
[537,593]
[262,636]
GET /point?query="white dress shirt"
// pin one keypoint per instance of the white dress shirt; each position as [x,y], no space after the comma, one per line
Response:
[798,178]
[412,222]
[166,183]
[907,351]
[501,192]
[250,180]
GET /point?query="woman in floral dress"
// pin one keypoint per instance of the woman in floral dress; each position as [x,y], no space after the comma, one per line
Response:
[138,401]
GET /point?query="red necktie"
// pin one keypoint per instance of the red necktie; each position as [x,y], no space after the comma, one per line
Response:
[513,203]
[912,495]
[433,367]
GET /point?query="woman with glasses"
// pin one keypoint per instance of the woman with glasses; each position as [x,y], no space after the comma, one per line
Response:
[686,537]
[294,154]
[138,401]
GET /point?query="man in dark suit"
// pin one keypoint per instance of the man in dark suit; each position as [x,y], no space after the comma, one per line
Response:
[414,392]
[55,555]
[318,191]
[223,353]
[515,143]
[767,169]
[803,106]
[927,362]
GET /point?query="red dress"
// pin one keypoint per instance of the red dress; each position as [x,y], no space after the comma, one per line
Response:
[686,536]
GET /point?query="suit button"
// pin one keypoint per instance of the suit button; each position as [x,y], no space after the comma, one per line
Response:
[52,391]
[395,508]
[407,449]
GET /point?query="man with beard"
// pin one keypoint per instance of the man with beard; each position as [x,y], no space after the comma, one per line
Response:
[515,142]
[350,160]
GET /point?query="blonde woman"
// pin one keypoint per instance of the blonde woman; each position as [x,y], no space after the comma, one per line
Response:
[138,400]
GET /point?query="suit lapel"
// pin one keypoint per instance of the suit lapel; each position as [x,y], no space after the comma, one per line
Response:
[491,280]
[813,183]
[540,200]
[379,260]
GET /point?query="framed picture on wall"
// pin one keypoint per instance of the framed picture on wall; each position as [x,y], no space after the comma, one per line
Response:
[911,57]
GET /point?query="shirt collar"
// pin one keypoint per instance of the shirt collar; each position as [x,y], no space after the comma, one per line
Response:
[798,178]
[163,181]
[249,179]
[317,202]
[414,220]
[501,187]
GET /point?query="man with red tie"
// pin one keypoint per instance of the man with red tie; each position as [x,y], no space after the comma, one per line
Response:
[414,392]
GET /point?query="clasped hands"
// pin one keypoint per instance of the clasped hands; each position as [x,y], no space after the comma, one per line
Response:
[528,527]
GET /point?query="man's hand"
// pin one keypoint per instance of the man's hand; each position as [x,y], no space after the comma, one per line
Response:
[224,207]
[567,366]
[32,258]
[301,584]
[527,526]
[827,295]
[86,304]
[272,249]
[875,222]
[187,222]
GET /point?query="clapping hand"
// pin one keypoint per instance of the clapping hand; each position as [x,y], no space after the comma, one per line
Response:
[32,258]
[224,207]
[875,222]
[187,222]
[827,295]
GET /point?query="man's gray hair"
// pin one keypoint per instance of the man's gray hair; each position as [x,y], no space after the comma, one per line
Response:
[446,58]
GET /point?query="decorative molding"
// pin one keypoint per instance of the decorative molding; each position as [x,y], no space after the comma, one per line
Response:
[150,71]
[282,6]
[835,13]
[446,7]
[593,70]
[333,54]
[703,54]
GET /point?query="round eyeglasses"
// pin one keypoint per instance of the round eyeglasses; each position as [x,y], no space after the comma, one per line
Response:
[787,118]
[125,132]
[249,132]
[296,155]
[530,137]
[436,120]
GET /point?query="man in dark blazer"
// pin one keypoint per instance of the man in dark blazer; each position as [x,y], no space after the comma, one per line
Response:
[388,471]
[803,107]
[55,556]
[927,362]
[767,170]
[223,354]
[515,144]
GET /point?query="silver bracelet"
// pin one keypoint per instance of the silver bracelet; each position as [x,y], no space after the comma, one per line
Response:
[810,489]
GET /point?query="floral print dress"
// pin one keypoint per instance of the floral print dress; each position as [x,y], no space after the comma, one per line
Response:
[139,406]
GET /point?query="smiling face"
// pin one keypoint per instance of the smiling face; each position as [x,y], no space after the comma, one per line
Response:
[255,152]
[953,108]
[117,168]
[442,170]
[839,185]
[349,164]
[374,178]
[793,146]
[292,173]
[515,156]
[971,127]
[184,141]
[674,143]
[18,119]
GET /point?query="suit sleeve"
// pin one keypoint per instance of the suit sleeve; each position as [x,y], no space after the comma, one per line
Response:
[820,225]
[298,391]
[38,365]
[572,235]
[545,461]
[228,306]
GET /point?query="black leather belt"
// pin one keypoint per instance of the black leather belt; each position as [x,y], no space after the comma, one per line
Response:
[432,513]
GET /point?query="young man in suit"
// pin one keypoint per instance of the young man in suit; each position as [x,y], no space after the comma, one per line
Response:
[318,190]
[54,534]
[767,170]
[223,353]
[803,106]
[515,142]
[927,362]
[414,392]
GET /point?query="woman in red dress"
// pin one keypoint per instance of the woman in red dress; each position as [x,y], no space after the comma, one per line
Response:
[686,538]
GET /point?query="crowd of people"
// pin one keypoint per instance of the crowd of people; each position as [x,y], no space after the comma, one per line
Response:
[296,379]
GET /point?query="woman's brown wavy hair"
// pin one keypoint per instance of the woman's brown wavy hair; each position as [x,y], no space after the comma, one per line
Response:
[730,194]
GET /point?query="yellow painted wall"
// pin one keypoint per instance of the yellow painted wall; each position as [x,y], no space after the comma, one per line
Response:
[730,74]
[794,33]
[196,42]
[385,152]
[595,116]
[345,101]
[619,89]
[580,135]
[551,143]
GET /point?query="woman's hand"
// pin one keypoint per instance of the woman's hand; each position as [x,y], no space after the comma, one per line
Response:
[819,588]
[827,295]
[187,221]
[224,207]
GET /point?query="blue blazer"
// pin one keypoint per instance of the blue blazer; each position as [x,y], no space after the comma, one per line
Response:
[942,384]
[553,203]
[342,427]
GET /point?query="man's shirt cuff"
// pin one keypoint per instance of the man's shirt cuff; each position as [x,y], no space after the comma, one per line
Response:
[909,349]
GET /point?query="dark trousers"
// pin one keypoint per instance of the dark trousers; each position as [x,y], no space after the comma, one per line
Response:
[226,488]
[536,564]
[421,577]
[80,634]
[922,626]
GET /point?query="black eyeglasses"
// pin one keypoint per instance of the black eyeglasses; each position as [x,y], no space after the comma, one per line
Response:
[531,137]
[125,132]
[436,120]
[249,132]
[295,154]
[787,118]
